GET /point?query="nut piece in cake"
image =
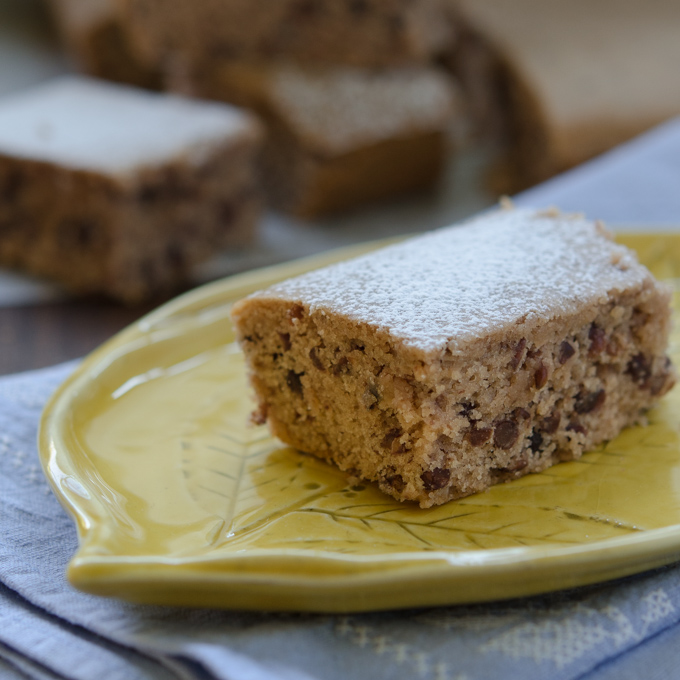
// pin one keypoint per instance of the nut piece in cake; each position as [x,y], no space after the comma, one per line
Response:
[462,358]
[339,137]
[109,189]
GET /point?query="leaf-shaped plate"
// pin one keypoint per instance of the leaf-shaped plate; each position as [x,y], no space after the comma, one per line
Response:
[179,501]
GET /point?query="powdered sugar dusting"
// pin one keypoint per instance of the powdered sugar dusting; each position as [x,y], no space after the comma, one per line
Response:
[455,284]
[343,108]
[88,124]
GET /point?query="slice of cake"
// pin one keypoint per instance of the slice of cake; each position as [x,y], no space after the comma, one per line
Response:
[572,79]
[469,356]
[92,33]
[353,32]
[339,137]
[109,189]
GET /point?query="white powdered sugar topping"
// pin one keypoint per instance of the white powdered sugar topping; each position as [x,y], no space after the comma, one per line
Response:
[343,108]
[453,285]
[86,124]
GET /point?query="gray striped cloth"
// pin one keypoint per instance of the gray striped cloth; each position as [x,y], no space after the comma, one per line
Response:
[627,629]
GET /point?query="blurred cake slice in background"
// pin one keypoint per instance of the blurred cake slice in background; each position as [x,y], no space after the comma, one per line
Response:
[573,79]
[339,137]
[94,37]
[353,32]
[118,191]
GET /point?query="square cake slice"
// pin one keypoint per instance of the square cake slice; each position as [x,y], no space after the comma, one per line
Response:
[114,190]
[340,137]
[466,357]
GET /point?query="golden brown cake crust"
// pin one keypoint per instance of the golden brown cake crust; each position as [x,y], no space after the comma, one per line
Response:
[483,369]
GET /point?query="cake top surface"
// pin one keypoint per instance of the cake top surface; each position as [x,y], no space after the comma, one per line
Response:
[342,108]
[445,289]
[82,123]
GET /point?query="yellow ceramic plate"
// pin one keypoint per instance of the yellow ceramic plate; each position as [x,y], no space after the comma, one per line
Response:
[178,501]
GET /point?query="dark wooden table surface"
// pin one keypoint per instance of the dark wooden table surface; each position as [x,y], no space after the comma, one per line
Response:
[49,333]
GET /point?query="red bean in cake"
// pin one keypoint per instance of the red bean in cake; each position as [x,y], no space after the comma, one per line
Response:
[466,357]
